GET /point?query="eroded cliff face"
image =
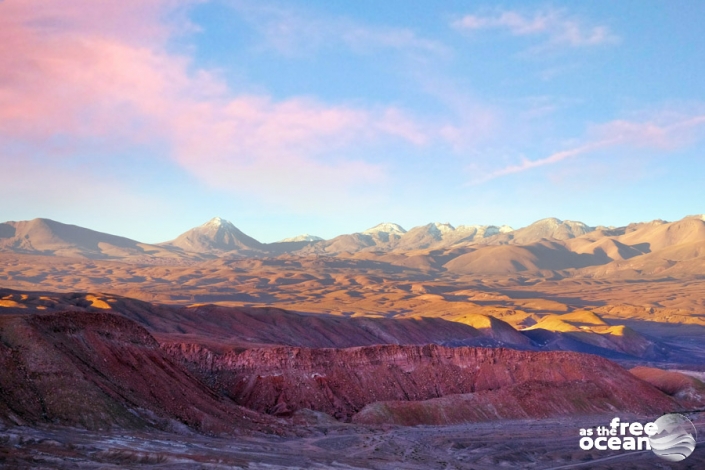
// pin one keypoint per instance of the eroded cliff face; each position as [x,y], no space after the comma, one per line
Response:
[101,370]
[342,382]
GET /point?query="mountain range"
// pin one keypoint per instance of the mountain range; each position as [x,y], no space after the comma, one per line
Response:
[545,247]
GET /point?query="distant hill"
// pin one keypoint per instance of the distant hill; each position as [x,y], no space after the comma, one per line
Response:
[550,228]
[547,248]
[216,236]
[390,237]
[48,237]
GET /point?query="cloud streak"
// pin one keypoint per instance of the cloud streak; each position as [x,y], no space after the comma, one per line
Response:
[294,32]
[648,134]
[559,28]
[554,158]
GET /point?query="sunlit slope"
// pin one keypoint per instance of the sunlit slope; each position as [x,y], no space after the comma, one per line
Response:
[549,248]
[48,237]
[506,259]
[589,328]
[687,390]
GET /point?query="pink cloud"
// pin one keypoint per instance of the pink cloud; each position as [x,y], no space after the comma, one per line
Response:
[285,146]
[65,69]
[658,133]
[82,69]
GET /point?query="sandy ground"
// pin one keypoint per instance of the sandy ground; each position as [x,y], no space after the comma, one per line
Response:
[544,444]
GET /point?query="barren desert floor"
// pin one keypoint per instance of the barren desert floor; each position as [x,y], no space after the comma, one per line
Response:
[540,444]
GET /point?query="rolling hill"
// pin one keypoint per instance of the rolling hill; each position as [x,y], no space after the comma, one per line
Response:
[548,248]
[48,237]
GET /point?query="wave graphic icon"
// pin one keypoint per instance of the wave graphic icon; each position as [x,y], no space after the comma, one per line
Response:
[675,439]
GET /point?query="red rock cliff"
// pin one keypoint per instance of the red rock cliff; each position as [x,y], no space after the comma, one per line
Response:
[342,381]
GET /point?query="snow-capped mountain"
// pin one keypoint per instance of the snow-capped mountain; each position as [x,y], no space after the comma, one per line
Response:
[302,238]
[384,235]
[551,228]
[440,229]
[547,245]
[444,234]
[216,235]
[385,227]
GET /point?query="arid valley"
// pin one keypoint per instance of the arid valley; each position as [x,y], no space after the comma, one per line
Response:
[437,347]
[390,235]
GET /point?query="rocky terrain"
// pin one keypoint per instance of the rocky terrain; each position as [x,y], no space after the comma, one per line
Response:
[334,344]
[522,444]
[98,388]
[101,371]
[221,328]
[341,382]
[57,363]
[547,248]
[688,391]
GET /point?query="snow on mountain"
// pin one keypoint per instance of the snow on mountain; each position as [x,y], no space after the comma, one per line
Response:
[551,228]
[217,221]
[440,228]
[216,235]
[483,231]
[385,227]
[302,238]
[430,235]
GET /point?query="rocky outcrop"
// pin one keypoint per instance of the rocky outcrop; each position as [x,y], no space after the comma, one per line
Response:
[532,399]
[99,371]
[687,391]
[342,382]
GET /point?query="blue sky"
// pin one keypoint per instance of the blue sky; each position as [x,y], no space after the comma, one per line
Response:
[145,118]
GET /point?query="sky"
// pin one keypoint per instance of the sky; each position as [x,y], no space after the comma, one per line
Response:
[145,118]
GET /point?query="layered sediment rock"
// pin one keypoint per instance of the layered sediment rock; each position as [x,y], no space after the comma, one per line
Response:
[342,382]
[100,370]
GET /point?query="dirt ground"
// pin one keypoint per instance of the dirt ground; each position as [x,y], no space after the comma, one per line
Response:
[536,444]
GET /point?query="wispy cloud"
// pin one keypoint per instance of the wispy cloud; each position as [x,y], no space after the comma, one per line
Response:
[296,32]
[648,134]
[63,78]
[554,158]
[556,26]
[661,133]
